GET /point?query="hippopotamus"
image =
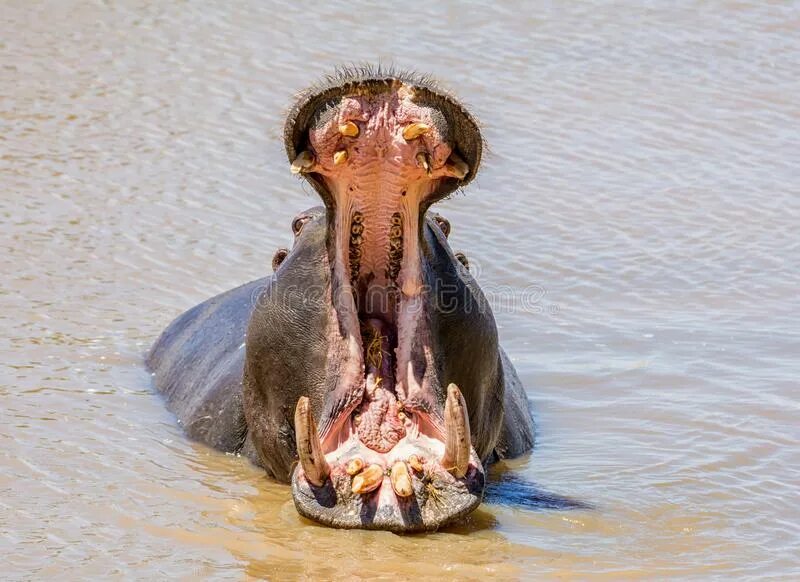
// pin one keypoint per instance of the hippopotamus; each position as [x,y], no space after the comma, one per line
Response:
[366,369]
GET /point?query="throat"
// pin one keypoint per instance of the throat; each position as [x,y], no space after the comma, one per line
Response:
[379,419]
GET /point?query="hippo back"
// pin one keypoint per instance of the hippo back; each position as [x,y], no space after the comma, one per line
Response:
[197,366]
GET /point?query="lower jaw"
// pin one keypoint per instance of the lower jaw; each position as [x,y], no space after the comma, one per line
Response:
[438,499]
[415,485]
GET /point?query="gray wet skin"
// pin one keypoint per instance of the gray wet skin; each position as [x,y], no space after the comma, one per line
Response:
[236,369]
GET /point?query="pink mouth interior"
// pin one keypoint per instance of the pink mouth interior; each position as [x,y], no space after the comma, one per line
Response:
[378,180]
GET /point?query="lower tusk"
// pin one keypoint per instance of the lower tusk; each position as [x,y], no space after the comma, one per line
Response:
[401,480]
[457,446]
[309,449]
[457,167]
[367,480]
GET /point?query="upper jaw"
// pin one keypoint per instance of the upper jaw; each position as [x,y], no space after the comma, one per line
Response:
[464,135]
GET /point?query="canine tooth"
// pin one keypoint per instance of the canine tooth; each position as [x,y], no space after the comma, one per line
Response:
[354,466]
[414,130]
[309,449]
[303,162]
[349,129]
[367,480]
[401,480]
[339,157]
[457,167]
[424,161]
[456,422]
[415,463]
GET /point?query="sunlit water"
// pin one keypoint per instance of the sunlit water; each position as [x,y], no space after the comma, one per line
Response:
[636,224]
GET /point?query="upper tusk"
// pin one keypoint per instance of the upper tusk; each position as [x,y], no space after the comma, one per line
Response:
[456,423]
[309,449]
[303,162]
[349,129]
[414,130]
[457,167]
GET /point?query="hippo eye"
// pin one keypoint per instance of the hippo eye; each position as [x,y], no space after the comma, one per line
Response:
[444,224]
[298,223]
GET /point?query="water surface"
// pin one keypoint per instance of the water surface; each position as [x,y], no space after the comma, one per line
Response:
[643,183]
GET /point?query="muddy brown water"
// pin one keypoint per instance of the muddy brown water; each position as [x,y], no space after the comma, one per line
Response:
[635,225]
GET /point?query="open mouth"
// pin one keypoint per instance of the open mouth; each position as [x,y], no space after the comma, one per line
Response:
[392,449]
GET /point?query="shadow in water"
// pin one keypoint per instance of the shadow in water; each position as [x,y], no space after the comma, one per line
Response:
[505,487]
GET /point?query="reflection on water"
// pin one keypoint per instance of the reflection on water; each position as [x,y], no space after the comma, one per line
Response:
[642,178]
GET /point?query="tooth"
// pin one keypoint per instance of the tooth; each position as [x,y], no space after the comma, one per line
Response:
[303,162]
[309,449]
[424,161]
[367,480]
[339,157]
[416,463]
[456,422]
[401,480]
[457,167]
[354,466]
[349,129]
[414,130]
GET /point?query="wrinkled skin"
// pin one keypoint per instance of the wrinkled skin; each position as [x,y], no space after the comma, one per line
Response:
[371,355]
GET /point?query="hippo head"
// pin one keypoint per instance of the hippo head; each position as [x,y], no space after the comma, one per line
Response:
[372,355]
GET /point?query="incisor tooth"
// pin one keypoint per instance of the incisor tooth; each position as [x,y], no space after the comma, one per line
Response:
[349,129]
[303,162]
[416,463]
[401,480]
[367,480]
[354,466]
[339,157]
[414,130]
[456,423]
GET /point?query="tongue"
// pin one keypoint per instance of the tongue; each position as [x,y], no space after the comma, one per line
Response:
[379,421]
